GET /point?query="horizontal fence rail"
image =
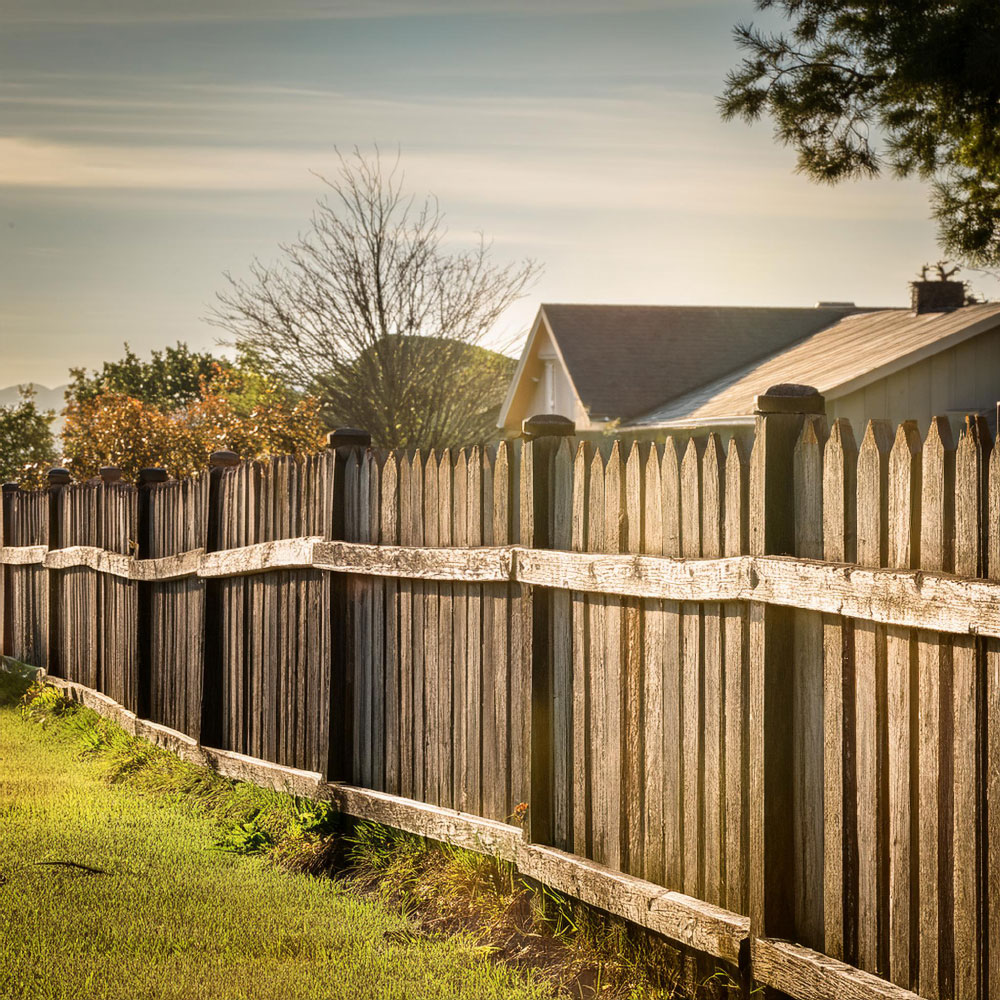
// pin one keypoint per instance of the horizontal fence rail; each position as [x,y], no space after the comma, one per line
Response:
[939,602]
[745,694]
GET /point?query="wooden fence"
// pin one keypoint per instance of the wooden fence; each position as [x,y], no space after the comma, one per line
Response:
[749,696]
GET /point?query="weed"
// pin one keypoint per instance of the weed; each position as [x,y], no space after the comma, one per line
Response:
[246,838]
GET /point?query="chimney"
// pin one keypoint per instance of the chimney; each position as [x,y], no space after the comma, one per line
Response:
[936,296]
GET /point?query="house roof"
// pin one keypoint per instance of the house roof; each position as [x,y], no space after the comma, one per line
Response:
[844,357]
[625,360]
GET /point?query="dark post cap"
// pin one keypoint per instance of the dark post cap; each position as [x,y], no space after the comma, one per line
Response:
[790,397]
[348,437]
[547,425]
[59,477]
[153,475]
[10,487]
[223,459]
[110,473]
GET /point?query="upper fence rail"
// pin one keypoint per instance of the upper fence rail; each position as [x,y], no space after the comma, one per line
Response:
[940,602]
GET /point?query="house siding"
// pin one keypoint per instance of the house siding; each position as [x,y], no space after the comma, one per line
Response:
[963,379]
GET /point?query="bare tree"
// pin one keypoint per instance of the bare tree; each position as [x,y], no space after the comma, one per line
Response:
[369,311]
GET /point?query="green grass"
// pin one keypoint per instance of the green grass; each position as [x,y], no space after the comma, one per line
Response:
[168,914]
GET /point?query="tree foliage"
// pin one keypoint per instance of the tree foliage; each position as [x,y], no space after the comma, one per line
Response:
[113,428]
[372,313]
[171,378]
[860,85]
[27,450]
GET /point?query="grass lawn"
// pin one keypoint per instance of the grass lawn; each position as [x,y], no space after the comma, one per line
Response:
[169,917]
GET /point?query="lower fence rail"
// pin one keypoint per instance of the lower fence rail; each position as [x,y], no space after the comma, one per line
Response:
[692,923]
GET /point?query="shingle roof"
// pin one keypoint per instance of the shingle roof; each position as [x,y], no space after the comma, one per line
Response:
[856,350]
[625,360]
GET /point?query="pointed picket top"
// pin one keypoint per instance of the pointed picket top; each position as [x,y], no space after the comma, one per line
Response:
[389,528]
[444,495]
[352,495]
[375,494]
[807,475]
[904,480]
[840,491]
[971,497]
[691,501]
[432,533]
[872,478]
[566,450]
[713,497]
[595,505]
[652,532]
[581,494]
[474,498]
[417,498]
[634,498]
[460,493]
[561,487]
[737,520]
[937,495]
[993,539]
[670,485]
[614,500]
[501,495]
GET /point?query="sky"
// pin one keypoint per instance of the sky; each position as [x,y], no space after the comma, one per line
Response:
[147,148]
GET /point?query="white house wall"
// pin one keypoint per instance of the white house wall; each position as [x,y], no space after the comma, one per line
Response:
[532,395]
[963,379]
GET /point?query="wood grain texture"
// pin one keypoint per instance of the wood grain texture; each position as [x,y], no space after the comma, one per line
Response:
[737,766]
[582,771]
[937,602]
[611,818]
[561,632]
[23,555]
[692,729]
[840,460]
[807,717]
[991,724]
[969,699]
[870,707]
[681,918]
[713,683]
[934,725]
[809,975]
[673,747]
[652,717]
[903,551]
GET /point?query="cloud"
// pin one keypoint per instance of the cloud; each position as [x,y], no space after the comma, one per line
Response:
[183,11]
[660,178]
[35,163]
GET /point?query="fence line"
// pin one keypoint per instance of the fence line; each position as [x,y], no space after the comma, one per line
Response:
[764,679]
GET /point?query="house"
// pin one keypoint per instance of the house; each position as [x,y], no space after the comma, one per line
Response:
[654,370]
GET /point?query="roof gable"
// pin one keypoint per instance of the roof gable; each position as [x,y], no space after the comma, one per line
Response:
[626,360]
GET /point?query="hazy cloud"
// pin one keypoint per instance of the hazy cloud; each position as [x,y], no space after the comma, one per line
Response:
[158,12]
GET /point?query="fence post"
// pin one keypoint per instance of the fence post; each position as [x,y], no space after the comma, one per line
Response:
[542,435]
[148,478]
[342,442]
[214,623]
[780,413]
[58,478]
[6,607]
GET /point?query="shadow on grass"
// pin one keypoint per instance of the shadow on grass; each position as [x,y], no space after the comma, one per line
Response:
[15,679]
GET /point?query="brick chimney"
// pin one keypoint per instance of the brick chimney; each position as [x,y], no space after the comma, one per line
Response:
[936,296]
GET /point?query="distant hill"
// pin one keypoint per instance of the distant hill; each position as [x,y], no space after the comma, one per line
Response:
[45,399]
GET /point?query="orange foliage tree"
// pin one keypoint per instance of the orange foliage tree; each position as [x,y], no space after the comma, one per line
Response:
[252,415]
